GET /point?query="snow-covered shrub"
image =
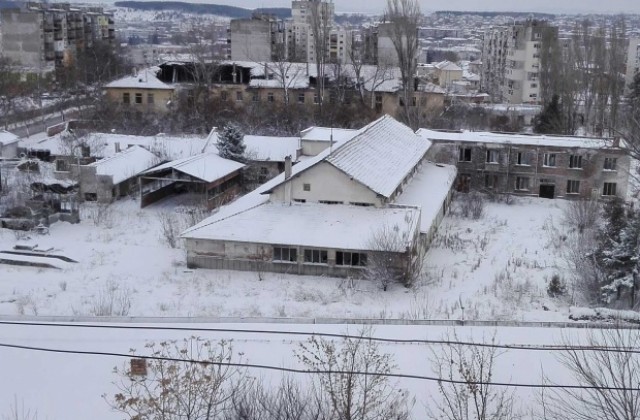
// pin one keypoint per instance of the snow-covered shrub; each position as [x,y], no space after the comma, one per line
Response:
[111,300]
[556,287]
[471,205]
[581,214]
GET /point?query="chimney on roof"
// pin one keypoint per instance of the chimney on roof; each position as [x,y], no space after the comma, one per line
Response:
[616,141]
[287,167]
[117,146]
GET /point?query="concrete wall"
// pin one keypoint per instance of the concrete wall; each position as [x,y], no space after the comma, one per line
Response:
[22,37]
[313,148]
[592,175]
[326,182]
[160,98]
[212,254]
[250,40]
[9,151]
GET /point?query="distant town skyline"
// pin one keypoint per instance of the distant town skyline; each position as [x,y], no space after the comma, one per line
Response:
[546,6]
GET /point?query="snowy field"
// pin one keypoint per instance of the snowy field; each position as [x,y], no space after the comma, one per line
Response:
[497,267]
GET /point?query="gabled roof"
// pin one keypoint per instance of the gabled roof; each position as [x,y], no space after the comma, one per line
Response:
[381,156]
[145,79]
[207,167]
[326,134]
[7,138]
[274,149]
[126,164]
[448,66]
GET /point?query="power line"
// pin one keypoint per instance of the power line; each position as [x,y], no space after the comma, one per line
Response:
[314,372]
[530,347]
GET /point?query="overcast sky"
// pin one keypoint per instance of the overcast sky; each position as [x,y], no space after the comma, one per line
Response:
[552,6]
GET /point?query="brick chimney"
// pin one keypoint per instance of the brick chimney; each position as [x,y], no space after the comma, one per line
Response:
[287,167]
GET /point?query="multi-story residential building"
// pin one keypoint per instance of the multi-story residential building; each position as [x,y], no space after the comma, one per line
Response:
[261,38]
[534,165]
[633,60]
[309,17]
[42,36]
[511,61]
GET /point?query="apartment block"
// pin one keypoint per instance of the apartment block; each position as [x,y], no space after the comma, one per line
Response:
[43,36]
[263,37]
[633,60]
[511,61]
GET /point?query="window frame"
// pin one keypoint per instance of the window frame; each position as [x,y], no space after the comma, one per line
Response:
[549,160]
[138,98]
[126,98]
[150,99]
[607,187]
[493,153]
[346,259]
[519,180]
[306,187]
[523,159]
[462,154]
[572,162]
[573,186]
[610,164]
[279,252]
[301,98]
[315,256]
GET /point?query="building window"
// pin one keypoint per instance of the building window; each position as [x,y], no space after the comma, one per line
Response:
[224,96]
[610,163]
[315,256]
[270,97]
[465,154]
[549,159]
[522,158]
[150,99]
[239,96]
[490,181]
[354,259]
[126,98]
[360,204]
[306,187]
[138,98]
[300,98]
[316,99]
[256,97]
[573,187]
[609,188]
[299,200]
[285,254]
[263,174]
[492,156]
[329,202]
[575,162]
[522,183]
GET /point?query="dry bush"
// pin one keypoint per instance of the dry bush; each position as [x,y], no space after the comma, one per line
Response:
[471,205]
[170,227]
[582,214]
[111,300]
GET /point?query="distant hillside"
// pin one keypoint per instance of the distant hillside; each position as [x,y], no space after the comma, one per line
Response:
[517,15]
[212,9]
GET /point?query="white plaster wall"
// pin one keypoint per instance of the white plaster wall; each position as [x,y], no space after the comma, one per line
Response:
[327,183]
[313,148]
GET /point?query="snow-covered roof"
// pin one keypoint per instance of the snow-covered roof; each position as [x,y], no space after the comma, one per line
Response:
[145,79]
[267,148]
[104,145]
[448,66]
[312,225]
[126,164]
[428,189]
[7,138]
[207,167]
[515,139]
[381,156]
[525,109]
[326,133]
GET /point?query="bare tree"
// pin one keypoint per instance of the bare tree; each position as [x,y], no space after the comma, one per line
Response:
[321,23]
[404,17]
[582,214]
[197,390]
[395,258]
[602,365]
[474,398]
[352,384]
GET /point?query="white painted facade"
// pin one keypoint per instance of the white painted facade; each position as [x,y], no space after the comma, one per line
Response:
[326,183]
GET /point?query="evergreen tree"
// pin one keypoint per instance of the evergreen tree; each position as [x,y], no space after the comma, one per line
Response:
[550,120]
[231,143]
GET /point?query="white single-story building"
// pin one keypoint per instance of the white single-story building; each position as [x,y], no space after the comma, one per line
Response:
[8,145]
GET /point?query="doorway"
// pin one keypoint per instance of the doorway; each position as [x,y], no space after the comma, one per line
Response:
[547,191]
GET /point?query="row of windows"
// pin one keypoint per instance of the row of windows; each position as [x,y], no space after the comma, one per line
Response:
[126,98]
[319,256]
[524,158]
[573,186]
[301,97]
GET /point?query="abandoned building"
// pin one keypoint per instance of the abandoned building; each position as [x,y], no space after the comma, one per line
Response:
[321,216]
[535,165]
[8,145]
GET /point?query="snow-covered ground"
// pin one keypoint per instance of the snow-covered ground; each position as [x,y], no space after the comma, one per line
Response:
[493,268]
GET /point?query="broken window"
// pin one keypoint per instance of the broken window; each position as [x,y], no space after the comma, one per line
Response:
[354,259]
[493,156]
[224,96]
[549,159]
[150,98]
[609,188]
[490,181]
[315,256]
[285,254]
[465,154]
[573,186]
[610,163]
[522,183]
[522,158]
[270,97]
[300,98]
[575,162]
[138,98]
[126,98]
[239,96]
[256,97]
